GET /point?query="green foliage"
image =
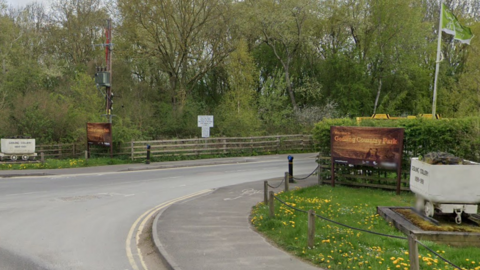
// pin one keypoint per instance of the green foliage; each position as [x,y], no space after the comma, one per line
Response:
[321,132]
[274,109]
[457,136]
[344,82]
[259,66]
[340,247]
[236,115]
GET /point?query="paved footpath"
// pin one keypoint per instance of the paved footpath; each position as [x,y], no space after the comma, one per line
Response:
[213,232]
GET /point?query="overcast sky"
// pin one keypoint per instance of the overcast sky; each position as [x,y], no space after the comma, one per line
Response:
[26,2]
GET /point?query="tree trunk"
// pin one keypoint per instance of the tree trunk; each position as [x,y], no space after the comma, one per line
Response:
[378,95]
[289,87]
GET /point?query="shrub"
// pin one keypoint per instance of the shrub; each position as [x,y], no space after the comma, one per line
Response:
[460,137]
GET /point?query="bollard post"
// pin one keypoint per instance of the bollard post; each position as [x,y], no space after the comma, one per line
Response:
[413,252]
[271,204]
[42,157]
[86,154]
[148,154]
[290,169]
[265,192]
[286,182]
[311,228]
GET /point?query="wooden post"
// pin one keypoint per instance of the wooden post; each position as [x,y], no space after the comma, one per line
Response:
[301,142]
[286,181]
[271,204]
[311,228]
[73,151]
[278,144]
[131,150]
[60,150]
[251,145]
[197,143]
[413,252]
[319,171]
[265,192]
[332,168]
[86,154]
[42,157]
[224,145]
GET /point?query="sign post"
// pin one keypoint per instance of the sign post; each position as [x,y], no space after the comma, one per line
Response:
[99,134]
[205,122]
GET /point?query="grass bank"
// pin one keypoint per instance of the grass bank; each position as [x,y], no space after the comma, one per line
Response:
[338,247]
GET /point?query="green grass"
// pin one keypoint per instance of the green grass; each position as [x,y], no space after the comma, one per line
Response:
[339,247]
[64,163]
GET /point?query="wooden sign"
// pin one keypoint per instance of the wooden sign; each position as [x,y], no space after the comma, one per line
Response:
[99,133]
[375,147]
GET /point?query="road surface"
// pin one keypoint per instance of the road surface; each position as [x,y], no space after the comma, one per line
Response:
[89,221]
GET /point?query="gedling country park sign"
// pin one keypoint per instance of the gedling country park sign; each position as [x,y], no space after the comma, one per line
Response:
[375,147]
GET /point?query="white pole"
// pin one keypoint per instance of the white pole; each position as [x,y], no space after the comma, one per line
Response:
[437,66]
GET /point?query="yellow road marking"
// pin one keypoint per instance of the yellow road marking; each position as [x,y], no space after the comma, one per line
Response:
[143,219]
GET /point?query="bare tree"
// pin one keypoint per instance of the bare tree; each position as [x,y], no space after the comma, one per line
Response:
[185,38]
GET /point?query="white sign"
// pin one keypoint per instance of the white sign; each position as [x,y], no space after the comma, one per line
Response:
[205,132]
[18,146]
[205,121]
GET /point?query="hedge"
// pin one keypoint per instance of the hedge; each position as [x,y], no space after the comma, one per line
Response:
[460,137]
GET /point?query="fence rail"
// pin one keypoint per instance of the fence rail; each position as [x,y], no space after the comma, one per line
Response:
[186,147]
[363,176]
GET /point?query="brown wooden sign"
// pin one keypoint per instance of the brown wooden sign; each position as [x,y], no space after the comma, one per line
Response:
[99,133]
[376,147]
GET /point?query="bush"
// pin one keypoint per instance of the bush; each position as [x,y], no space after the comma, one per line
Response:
[460,137]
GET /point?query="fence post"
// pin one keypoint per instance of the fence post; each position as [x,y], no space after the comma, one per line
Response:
[224,145]
[251,145]
[42,157]
[86,154]
[265,192]
[413,252]
[197,142]
[131,150]
[319,171]
[286,181]
[271,204]
[60,150]
[311,228]
[301,142]
[278,144]
[73,147]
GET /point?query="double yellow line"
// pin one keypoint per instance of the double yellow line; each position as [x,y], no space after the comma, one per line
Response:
[142,220]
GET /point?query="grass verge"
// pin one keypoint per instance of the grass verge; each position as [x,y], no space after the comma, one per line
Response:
[103,161]
[64,163]
[339,247]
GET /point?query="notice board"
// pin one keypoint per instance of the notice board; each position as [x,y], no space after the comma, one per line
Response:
[367,146]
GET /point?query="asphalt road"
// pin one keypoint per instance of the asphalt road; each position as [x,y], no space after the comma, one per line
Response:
[84,220]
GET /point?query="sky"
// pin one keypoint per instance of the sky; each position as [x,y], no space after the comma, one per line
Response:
[17,3]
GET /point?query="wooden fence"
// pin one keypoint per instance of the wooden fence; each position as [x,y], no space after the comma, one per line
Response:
[187,147]
[363,176]
[222,146]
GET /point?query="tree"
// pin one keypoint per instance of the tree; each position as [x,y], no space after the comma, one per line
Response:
[74,26]
[283,26]
[237,112]
[183,39]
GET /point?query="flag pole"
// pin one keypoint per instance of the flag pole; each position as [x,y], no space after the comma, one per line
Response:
[437,66]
